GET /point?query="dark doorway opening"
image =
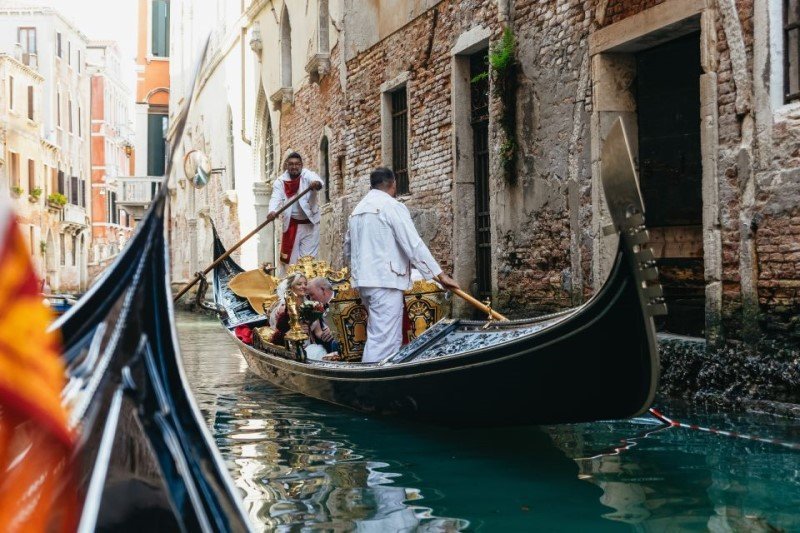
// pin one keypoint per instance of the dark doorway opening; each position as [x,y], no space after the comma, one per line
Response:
[670,173]
[479,118]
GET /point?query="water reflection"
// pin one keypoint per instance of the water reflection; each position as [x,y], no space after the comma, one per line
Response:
[659,478]
[302,464]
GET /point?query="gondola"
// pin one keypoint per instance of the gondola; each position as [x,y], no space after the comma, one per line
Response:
[144,458]
[596,361]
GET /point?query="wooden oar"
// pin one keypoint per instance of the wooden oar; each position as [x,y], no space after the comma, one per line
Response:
[478,304]
[258,228]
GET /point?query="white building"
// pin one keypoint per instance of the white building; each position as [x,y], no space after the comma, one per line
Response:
[48,43]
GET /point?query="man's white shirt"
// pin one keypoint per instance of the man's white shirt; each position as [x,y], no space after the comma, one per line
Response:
[382,245]
[308,205]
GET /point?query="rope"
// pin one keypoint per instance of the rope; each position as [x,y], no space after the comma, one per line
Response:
[734,434]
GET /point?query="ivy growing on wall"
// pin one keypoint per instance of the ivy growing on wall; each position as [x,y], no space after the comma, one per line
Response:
[503,63]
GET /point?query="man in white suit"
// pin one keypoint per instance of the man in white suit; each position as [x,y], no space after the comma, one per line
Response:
[381,246]
[301,222]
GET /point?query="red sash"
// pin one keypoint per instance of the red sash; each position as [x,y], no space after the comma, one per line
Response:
[290,188]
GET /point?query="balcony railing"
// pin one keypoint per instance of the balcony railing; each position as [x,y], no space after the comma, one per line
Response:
[74,216]
[135,193]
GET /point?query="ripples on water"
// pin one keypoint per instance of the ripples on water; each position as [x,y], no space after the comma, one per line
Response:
[301,465]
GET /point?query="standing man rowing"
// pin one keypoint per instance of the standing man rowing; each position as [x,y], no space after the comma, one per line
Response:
[381,246]
[301,222]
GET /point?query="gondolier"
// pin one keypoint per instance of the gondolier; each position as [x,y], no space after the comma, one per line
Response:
[381,246]
[301,222]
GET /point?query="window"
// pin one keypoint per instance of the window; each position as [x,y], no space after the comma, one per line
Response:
[69,115]
[400,139]
[58,109]
[74,251]
[30,102]
[73,190]
[82,192]
[15,179]
[11,92]
[62,250]
[113,216]
[323,26]
[286,49]
[31,175]
[160,42]
[27,38]
[269,148]
[58,47]
[33,239]
[69,53]
[61,183]
[80,132]
[79,61]
[325,166]
[791,49]
[156,146]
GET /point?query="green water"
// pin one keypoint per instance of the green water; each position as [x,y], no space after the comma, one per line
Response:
[301,464]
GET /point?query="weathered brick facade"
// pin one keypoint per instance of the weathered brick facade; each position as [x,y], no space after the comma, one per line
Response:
[545,238]
[575,73]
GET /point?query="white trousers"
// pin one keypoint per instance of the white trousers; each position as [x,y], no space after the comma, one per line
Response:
[385,322]
[306,242]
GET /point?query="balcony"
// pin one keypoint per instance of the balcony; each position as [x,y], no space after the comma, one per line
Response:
[74,219]
[135,193]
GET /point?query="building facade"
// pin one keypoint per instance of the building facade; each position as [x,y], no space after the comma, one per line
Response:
[52,48]
[152,101]
[493,115]
[112,154]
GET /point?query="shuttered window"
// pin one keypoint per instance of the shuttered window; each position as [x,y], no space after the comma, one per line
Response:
[160,12]
[31,175]
[156,146]
[30,102]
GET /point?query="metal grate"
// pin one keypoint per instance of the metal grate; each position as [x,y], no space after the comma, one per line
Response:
[479,113]
[400,139]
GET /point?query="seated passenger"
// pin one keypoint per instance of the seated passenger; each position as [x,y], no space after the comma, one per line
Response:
[320,290]
[292,286]
[321,342]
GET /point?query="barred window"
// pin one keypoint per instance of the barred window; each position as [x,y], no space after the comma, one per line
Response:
[400,139]
[791,49]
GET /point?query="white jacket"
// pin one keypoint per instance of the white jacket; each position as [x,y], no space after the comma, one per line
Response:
[382,244]
[308,203]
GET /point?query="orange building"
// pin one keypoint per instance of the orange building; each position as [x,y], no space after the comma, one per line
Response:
[152,86]
[112,153]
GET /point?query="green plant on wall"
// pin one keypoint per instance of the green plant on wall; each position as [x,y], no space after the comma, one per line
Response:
[503,63]
[35,194]
[57,199]
[43,247]
[17,191]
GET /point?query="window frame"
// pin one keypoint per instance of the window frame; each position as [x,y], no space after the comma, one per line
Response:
[788,27]
[28,30]
[11,93]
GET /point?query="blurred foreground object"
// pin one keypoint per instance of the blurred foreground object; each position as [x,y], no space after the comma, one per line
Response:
[35,439]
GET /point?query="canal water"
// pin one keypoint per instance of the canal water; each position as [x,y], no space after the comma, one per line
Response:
[301,464]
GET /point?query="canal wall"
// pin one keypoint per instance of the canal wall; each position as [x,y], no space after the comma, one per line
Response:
[763,377]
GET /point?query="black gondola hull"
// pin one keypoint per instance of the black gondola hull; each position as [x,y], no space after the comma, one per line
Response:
[579,369]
